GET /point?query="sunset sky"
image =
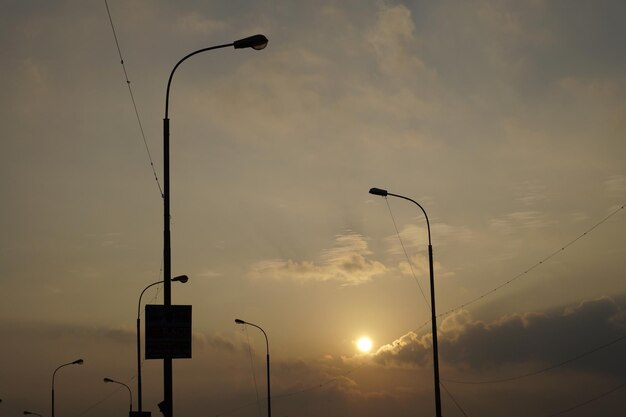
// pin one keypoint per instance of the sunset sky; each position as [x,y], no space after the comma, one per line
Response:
[505,120]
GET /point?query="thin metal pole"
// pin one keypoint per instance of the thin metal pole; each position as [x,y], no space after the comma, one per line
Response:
[139,407]
[432,308]
[269,401]
[76,362]
[267,347]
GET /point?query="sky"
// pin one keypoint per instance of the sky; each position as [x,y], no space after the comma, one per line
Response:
[504,119]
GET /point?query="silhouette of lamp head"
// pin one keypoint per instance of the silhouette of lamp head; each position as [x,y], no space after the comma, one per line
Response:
[378,191]
[256,42]
[180,278]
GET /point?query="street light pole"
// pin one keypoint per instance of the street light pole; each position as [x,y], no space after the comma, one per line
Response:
[385,193]
[180,278]
[267,367]
[254,42]
[130,393]
[76,362]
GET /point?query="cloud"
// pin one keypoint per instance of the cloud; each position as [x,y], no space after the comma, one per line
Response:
[615,185]
[196,23]
[347,262]
[511,222]
[546,337]
[393,38]
[415,241]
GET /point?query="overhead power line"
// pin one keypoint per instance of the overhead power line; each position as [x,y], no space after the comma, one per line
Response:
[408,260]
[604,394]
[132,97]
[546,369]
[536,265]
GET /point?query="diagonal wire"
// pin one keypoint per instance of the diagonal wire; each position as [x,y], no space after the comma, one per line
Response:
[549,368]
[331,380]
[256,389]
[604,394]
[132,97]
[406,254]
[453,399]
[536,265]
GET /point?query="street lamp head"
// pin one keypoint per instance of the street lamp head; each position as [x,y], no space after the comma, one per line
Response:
[78,362]
[257,42]
[181,278]
[378,191]
[239,321]
[108,380]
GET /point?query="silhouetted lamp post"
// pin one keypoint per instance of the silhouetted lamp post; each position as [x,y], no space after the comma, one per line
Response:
[180,278]
[255,42]
[76,362]
[267,345]
[385,193]
[30,413]
[130,393]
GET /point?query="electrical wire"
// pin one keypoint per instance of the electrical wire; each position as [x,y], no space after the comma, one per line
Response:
[132,97]
[408,260]
[604,394]
[548,368]
[585,233]
[256,388]
[536,265]
[453,399]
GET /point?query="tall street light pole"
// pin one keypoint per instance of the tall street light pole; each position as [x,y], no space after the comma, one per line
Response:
[255,42]
[267,367]
[76,362]
[130,393]
[385,193]
[180,278]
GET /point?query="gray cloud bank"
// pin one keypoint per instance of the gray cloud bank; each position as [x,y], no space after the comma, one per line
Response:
[541,337]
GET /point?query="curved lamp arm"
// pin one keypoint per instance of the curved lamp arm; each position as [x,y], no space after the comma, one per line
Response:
[255,42]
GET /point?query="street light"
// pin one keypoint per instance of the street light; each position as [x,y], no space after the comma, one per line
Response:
[255,42]
[130,393]
[385,193]
[180,278]
[267,345]
[30,413]
[76,362]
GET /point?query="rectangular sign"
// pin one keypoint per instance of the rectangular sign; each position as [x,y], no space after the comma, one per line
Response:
[168,331]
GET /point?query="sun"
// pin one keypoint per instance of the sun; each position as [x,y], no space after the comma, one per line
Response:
[364,344]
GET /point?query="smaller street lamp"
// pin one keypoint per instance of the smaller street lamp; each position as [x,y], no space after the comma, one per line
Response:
[30,413]
[76,362]
[130,393]
[267,345]
[179,278]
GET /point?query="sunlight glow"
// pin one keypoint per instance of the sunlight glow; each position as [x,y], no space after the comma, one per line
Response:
[364,344]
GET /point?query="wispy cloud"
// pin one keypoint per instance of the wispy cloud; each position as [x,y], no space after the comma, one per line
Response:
[529,219]
[615,185]
[346,262]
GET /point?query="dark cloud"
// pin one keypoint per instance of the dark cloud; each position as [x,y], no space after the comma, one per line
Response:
[538,337]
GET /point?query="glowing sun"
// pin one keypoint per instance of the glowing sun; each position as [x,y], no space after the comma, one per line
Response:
[364,344]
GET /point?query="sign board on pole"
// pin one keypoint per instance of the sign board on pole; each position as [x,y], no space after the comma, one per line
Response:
[168,331]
